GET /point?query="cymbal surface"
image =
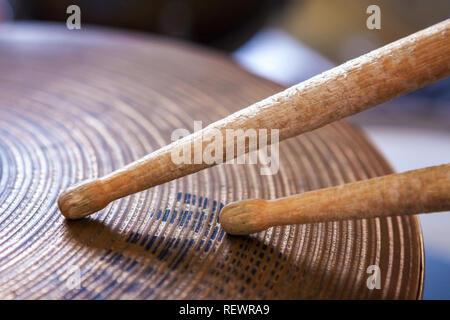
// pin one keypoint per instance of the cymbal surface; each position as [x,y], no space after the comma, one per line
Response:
[79,104]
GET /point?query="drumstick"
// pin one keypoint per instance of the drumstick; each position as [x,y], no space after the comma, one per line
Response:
[396,69]
[419,191]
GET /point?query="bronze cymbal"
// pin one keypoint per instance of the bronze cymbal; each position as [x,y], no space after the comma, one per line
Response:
[79,104]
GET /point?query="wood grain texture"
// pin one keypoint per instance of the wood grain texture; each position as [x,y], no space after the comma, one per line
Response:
[423,190]
[77,105]
[364,82]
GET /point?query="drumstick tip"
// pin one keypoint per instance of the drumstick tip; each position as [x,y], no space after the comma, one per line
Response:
[82,199]
[244,217]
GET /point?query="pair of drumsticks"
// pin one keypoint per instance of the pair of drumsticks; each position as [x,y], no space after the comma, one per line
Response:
[376,77]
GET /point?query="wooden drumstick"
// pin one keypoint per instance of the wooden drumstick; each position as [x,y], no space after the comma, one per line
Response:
[396,69]
[419,191]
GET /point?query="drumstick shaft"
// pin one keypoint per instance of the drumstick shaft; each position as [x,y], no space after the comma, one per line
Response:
[396,69]
[419,191]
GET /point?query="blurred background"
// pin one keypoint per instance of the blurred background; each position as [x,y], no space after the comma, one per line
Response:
[288,41]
